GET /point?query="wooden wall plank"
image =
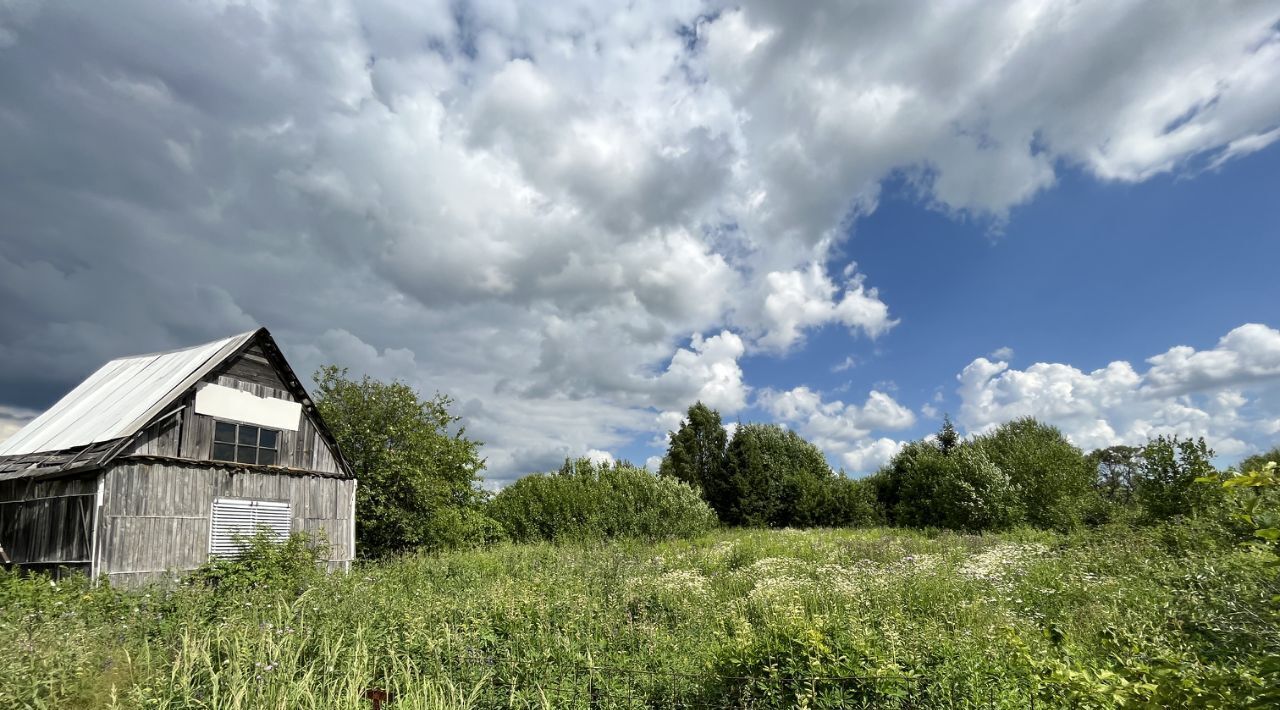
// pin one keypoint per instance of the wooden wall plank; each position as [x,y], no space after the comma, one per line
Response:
[252,368]
[155,515]
[47,522]
[160,439]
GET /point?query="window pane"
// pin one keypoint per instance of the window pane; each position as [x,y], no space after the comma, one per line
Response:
[266,457]
[224,452]
[248,435]
[267,439]
[222,431]
[246,454]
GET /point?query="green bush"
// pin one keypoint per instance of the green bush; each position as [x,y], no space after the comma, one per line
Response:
[585,501]
[457,528]
[959,490]
[1168,484]
[774,478]
[1255,504]
[265,565]
[1052,478]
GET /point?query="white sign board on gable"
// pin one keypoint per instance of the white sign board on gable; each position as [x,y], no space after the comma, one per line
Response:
[240,406]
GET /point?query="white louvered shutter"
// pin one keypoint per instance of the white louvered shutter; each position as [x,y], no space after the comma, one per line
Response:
[242,518]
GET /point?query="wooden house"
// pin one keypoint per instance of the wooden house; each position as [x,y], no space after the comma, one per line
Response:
[157,462]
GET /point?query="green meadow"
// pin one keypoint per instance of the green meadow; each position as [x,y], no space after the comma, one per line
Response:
[1165,616]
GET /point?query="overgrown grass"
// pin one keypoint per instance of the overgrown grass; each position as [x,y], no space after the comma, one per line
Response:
[882,618]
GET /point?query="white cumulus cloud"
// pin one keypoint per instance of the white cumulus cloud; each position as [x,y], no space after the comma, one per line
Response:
[843,431]
[573,216]
[1227,394]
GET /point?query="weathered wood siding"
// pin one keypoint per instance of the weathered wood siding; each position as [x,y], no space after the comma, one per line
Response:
[161,439]
[48,524]
[155,516]
[190,435]
[253,367]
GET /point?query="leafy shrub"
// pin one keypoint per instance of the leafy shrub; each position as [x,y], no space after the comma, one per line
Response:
[960,490]
[460,528]
[774,478]
[1256,496]
[1052,478]
[1168,486]
[586,501]
[265,565]
[853,504]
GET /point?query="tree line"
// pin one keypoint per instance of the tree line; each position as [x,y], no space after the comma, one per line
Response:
[420,483]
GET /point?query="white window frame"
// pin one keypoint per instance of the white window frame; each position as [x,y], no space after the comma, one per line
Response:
[243,517]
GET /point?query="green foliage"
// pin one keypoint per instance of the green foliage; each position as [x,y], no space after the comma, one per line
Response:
[1108,618]
[960,490]
[265,566]
[1051,477]
[586,501]
[1258,461]
[948,437]
[417,470]
[774,478]
[1257,497]
[1116,472]
[1155,482]
[1168,483]
[853,503]
[1025,472]
[696,452]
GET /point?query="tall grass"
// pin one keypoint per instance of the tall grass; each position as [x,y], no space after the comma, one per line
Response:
[824,618]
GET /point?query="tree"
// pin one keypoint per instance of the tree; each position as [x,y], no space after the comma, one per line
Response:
[1116,471]
[1168,485]
[961,490]
[1259,461]
[947,436]
[1050,475]
[418,472]
[750,495]
[696,452]
[774,478]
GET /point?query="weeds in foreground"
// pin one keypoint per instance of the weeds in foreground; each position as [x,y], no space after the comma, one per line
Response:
[823,618]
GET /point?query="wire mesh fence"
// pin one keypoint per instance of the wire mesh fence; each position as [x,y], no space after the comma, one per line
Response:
[489,682]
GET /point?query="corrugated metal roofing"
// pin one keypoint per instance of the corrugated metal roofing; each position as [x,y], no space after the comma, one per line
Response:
[119,398]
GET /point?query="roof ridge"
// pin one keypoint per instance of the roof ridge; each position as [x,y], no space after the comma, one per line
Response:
[189,347]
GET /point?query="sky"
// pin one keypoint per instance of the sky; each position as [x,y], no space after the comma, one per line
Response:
[578,218]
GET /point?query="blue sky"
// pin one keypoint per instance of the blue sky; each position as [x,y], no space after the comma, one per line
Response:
[1089,272]
[578,217]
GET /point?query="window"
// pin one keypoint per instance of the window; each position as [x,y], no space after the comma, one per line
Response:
[245,443]
[234,520]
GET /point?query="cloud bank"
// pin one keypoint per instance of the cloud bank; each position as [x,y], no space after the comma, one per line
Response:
[1227,394]
[574,216]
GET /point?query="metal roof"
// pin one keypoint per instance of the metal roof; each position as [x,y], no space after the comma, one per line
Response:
[118,399]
